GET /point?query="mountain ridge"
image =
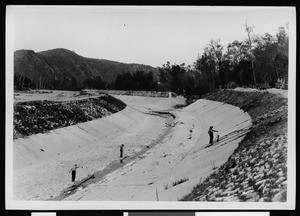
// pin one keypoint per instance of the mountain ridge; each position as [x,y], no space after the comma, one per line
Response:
[64,69]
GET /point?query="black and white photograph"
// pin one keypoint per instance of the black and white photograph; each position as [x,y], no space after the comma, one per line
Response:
[138,107]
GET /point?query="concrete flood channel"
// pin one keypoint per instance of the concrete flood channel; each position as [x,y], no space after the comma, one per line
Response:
[178,147]
[41,161]
[99,175]
[172,168]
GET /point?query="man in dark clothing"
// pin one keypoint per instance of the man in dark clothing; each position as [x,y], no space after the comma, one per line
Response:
[73,170]
[121,153]
[211,134]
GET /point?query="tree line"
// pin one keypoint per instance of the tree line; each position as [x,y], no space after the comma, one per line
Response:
[257,61]
[138,80]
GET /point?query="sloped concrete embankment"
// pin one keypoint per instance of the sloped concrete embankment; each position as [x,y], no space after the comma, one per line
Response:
[199,161]
[175,165]
[54,144]
[152,103]
[257,171]
[41,161]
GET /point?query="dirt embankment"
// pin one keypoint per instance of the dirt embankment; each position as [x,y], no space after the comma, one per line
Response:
[34,117]
[140,93]
[257,170]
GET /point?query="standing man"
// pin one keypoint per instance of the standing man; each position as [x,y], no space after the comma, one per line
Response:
[121,153]
[73,170]
[211,134]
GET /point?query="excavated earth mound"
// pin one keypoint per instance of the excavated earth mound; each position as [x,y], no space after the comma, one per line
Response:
[32,117]
[140,93]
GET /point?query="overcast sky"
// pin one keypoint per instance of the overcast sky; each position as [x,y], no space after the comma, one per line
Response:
[147,35]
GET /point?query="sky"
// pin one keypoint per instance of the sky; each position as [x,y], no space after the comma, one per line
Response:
[146,35]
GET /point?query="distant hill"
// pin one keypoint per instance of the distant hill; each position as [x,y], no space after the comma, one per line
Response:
[64,69]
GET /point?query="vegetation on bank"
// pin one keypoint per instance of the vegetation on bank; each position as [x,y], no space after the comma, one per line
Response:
[257,170]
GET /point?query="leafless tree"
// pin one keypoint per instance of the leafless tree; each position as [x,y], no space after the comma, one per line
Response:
[249,30]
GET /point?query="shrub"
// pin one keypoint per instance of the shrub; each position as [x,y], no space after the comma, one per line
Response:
[180,181]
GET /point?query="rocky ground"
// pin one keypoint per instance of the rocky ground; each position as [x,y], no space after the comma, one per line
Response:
[257,171]
[32,117]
